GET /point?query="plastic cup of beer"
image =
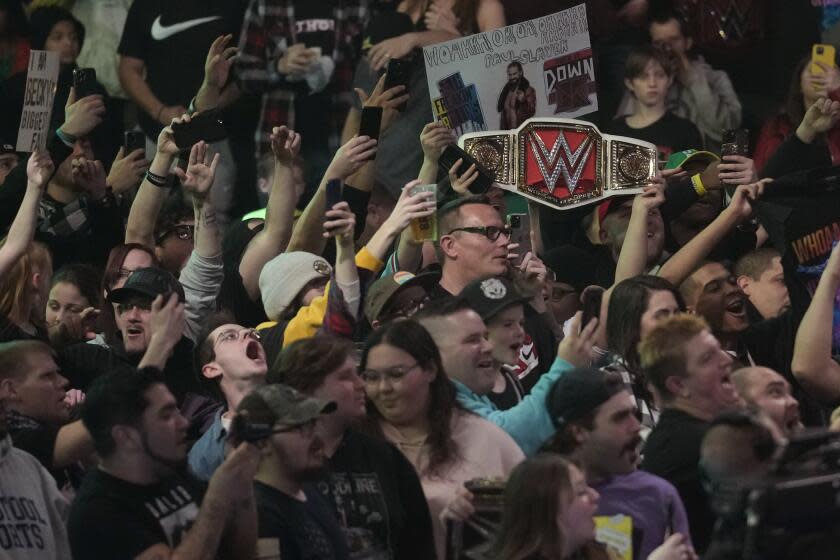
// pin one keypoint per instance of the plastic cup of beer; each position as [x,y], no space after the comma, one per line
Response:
[424,229]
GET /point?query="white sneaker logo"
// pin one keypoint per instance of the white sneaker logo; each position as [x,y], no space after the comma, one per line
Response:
[159,32]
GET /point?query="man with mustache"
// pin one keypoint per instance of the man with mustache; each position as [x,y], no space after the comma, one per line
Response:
[295,520]
[598,428]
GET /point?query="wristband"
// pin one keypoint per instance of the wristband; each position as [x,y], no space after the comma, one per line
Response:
[108,199]
[191,110]
[697,183]
[159,181]
[68,139]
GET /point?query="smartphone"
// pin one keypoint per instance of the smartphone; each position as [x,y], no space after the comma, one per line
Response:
[736,142]
[398,73]
[207,126]
[84,82]
[134,140]
[333,193]
[453,153]
[520,232]
[821,53]
[371,120]
[591,305]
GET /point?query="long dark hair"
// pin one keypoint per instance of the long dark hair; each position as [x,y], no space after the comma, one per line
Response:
[629,301]
[412,338]
[795,99]
[84,277]
[534,496]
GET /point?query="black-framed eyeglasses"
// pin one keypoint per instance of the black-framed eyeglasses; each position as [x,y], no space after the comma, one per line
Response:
[185,232]
[490,232]
[393,375]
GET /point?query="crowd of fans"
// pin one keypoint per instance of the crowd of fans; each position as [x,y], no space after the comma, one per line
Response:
[199,358]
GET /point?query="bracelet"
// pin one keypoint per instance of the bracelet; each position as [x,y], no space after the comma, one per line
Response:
[698,185]
[108,198]
[67,139]
[159,181]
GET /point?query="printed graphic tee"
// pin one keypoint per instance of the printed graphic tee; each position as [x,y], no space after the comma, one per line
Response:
[112,518]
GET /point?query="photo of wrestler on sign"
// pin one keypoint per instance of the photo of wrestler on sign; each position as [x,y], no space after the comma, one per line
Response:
[498,79]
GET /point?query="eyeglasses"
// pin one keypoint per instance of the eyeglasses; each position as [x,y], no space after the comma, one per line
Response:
[490,232]
[307,429]
[393,375]
[233,334]
[408,308]
[124,272]
[185,232]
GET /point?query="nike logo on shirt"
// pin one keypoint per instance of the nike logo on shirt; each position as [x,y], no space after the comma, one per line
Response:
[161,32]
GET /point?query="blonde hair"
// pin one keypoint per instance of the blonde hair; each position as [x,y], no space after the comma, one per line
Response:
[662,351]
[16,292]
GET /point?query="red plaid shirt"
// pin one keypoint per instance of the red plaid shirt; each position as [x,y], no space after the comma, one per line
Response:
[267,31]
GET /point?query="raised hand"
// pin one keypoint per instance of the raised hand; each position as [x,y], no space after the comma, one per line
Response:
[169,112]
[649,199]
[410,207]
[166,139]
[577,347]
[39,169]
[82,116]
[736,170]
[340,222]
[200,173]
[127,171]
[285,143]
[167,320]
[434,137]
[390,100]
[74,327]
[827,81]
[296,60]
[741,204]
[462,184]
[90,176]
[220,59]
[395,47]
[351,156]
[819,118]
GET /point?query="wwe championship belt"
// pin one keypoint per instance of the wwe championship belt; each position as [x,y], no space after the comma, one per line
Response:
[563,163]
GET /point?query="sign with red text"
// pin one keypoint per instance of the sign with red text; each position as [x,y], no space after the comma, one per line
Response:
[498,79]
[41,80]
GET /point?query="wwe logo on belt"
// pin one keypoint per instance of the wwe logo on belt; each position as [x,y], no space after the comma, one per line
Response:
[552,163]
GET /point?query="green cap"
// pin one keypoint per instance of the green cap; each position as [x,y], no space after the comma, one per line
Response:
[282,407]
[679,159]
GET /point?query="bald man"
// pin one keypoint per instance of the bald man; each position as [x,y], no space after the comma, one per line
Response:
[768,391]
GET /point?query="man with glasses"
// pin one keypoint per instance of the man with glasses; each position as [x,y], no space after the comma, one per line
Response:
[473,245]
[295,521]
[396,296]
[231,362]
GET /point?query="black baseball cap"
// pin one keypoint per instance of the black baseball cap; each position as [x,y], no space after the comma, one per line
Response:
[580,391]
[148,282]
[490,296]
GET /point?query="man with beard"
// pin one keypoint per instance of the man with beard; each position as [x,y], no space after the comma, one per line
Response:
[690,373]
[518,100]
[598,428]
[231,361]
[295,520]
[137,503]
[768,391]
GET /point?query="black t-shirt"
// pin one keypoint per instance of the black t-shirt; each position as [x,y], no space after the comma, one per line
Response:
[510,395]
[378,501]
[670,134]
[295,530]
[172,38]
[672,451]
[112,518]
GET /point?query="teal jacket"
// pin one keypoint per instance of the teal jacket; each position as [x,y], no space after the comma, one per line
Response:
[528,423]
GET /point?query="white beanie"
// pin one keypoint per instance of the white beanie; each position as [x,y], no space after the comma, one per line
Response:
[283,277]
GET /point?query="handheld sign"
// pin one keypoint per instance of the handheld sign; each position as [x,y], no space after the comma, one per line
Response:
[41,80]
[498,79]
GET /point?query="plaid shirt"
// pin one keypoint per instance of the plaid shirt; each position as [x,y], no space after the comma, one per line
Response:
[63,220]
[267,32]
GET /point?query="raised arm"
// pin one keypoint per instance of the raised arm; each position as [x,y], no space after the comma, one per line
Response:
[812,362]
[153,190]
[216,90]
[408,207]
[274,237]
[632,260]
[39,169]
[347,160]
[686,260]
